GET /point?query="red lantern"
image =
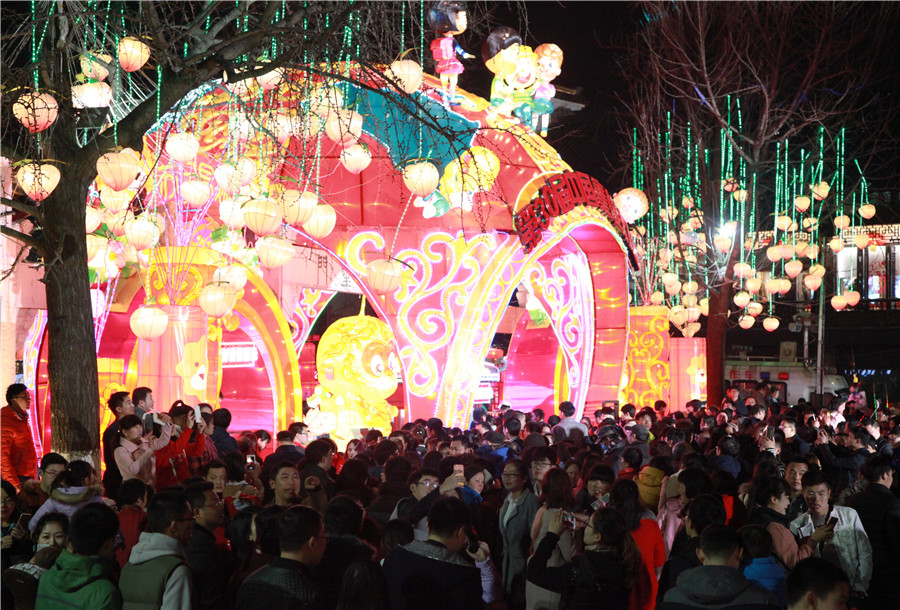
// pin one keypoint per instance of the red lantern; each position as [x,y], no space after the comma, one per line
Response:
[133,54]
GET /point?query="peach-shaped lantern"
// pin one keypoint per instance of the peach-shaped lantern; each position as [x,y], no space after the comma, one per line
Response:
[657,298]
[802,203]
[782,222]
[344,126]
[754,308]
[233,275]
[753,285]
[274,251]
[119,170]
[36,111]
[812,282]
[836,244]
[841,222]
[232,177]
[690,287]
[182,147]
[355,158]
[817,269]
[677,315]
[115,201]
[421,178]
[321,223]
[740,196]
[270,79]
[704,306]
[325,98]
[673,288]
[38,180]
[117,221]
[148,322]
[669,278]
[784,286]
[743,270]
[93,218]
[741,299]
[96,94]
[820,191]
[690,329]
[632,204]
[867,210]
[231,212]
[406,74]
[91,66]
[861,241]
[838,302]
[802,249]
[384,275]
[133,54]
[195,193]
[793,268]
[813,251]
[262,216]
[217,300]
[787,250]
[94,244]
[746,322]
[730,185]
[297,207]
[771,324]
[691,315]
[852,297]
[690,300]
[142,232]
[773,285]
[773,253]
[722,243]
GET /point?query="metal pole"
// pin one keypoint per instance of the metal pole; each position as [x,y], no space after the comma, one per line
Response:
[820,345]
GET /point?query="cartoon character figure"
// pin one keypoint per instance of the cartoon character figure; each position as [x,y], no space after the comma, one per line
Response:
[473,172]
[549,64]
[447,18]
[500,53]
[523,83]
[358,370]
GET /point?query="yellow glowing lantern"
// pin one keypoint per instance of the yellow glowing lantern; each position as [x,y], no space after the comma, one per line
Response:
[771,324]
[773,285]
[669,278]
[94,244]
[782,222]
[182,147]
[91,66]
[817,269]
[820,191]
[297,207]
[217,300]
[802,203]
[836,244]
[657,298]
[274,251]
[813,251]
[322,221]
[690,300]
[406,75]
[743,270]
[802,249]
[676,315]
[233,275]
[262,216]
[746,322]
[117,221]
[355,158]
[36,111]
[754,308]
[838,302]
[384,275]
[632,204]
[852,297]
[271,79]
[841,222]
[38,180]
[344,126]
[691,315]
[133,54]
[93,218]
[148,322]
[867,210]
[812,282]
[673,288]
[142,232]
[773,253]
[421,178]
[195,193]
[119,170]
[690,287]
[115,201]
[793,268]
[741,299]
[753,285]
[861,241]
[810,224]
[231,213]
[722,243]
[704,306]
[740,196]
[785,286]
[687,202]
[97,94]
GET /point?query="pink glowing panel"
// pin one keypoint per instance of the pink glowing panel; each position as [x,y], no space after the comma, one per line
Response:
[687,361]
[531,364]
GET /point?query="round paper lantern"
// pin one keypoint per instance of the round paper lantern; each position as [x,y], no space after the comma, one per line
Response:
[838,302]
[754,308]
[117,221]
[305,125]
[677,316]
[820,191]
[182,147]
[279,124]
[773,253]
[687,202]
[689,300]
[784,286]
[669,278]
[787,251]
[142,232]
[740,196]
[673,288]
[722,243]
[119,170]
[861,241]
[321,223]
[274,251]
[812,282]
[741,299]
[836,244]
[867,210]
[384,275]
[355,158]
[802,249]
[753,285]
[773,285]
[812,252]
[262,216]
[98,302]
[38,180]
[96,94]
[325,98]
[243,128]
[115,201]
[297,207]
[233,275]
[690,287]
[94,244]
[421,178]
[36,111]
[742,270]
[793,268]
[704,306]
[802,203]
[133,54]
[782,222]
[657,298]
[232,177]
[217,300]
[93,218]
[771,324]
[92,68]
[344,126]
[406,74]
[852,297]
[730,185]
[841,222]
[746,322]
[691,315]
[271,79]
[195,193]
[148,322]
[632,204]
[231,213]
[691,329]
[817,269]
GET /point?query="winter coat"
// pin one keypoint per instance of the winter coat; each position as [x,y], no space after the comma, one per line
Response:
[148,553]
[389,495]
[850,541]
[784,545]
[768,573]
[137,460]
[425,574]
[515,532]
[67,500]
[17,455]
[76,581]
[718,587]
[879,511]
[649,482]
[210,568]
[653,555]
[284,583]
[670,521]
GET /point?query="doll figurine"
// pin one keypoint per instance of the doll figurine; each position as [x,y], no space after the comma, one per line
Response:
[500,53]
[447,18]
[549,63]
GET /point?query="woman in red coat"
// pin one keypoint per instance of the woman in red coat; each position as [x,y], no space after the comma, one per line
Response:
[18,460]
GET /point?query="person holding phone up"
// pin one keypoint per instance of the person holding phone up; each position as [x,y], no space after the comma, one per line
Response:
[135,454]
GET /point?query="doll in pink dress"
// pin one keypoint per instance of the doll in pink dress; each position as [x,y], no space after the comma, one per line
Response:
[447,18]
[549,61]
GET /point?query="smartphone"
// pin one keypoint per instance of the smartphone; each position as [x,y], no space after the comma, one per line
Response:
[23,521]
[458,468]
[569,520]
[472,545]
[832,522]
[148,423]
[770,433]
[197,416]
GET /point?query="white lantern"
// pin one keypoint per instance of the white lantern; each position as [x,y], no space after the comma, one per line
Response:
[867,210]
[669,278]
[274,251]
[115,201]
[782,222]
[321,223]
[784,286]
[344,126]
[93,218]
[38,180]
[94,244]
[836,244]
[233,275]
[406,74]
[861,241]
[231,213]
[746,322]
[691,315]
[741,299]
[722,243]
[91,95]
[754,308]
[793,268]
[820,191]
[148,322]
[297,207]
[195,193]
[771,324]
[133,54]
[117,221]
[355,158]
[217,300]
[182,147]
[841,222]
[270,80]
[743,270]
[812,282]
[384,275]
[802,249]
[838,302]
[280,125]
[673,288]
[657,298]
[262,216]
[119,170]
[817,269]
[852,297]
[36,111]
[753,285]
[243,128]
[142,232]
[632,204]
[802,203]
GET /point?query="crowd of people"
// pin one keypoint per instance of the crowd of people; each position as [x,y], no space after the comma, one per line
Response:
[752,503]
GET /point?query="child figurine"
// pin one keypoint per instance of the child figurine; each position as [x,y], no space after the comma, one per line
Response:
[500,53]
[549,60]
[447,18]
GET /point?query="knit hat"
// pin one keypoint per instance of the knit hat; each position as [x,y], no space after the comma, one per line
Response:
[649,482]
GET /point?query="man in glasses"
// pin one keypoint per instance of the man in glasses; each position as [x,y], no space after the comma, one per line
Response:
[18,460]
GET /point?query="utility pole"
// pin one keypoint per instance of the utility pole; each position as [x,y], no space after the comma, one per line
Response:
[820,346]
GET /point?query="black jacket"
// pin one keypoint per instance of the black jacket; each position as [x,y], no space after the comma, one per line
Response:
[284,453]
[342,550]
[678,563]
[210,568]
[425,574]
[879,511]
[284,583]
[389,494]
[843,468]
[718,587]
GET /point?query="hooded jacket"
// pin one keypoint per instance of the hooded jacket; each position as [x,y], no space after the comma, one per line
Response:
[17,455]
[179,586]
[67,500]
[76,581]
[717,587]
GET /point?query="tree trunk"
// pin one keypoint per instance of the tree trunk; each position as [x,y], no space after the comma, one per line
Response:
[716,329]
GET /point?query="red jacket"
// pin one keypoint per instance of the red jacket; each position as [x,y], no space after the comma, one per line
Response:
[17,456]
[173,460]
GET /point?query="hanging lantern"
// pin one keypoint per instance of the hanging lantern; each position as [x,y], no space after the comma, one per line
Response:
[94,244]
[274,251]
[233,275]
[195,193]
[217,300]
[817,269]
[632,204]
[384,275]
[406,75]
[297,207]
[262,216]
[812,252]
[742,270]
[746,322]
[722,243]
[838,302]
[784,285]
[867,210]
[704,306]
[787,251]
[280,125]
[322,221]
[690,287]
[741,299]
[355,158]
[305,125]
[730,185]
[38,180]
[773,253]
[836,244]
[771,324]
[753,285]
[92,68]
[812,282]
[782,222]
[820,191]
[6,178]
[861,241]
[243,128]
[852,297]
[810,224]
[793,268]
[325,98]
[421,178]
[657,298]
[773,285]
[841,222]
[691,315]
[689,300]
[802,249]
[36,111]
[231,213]
[119,170]
[669,278]
[117,221]
[97,94]
[687,202]
[802,203]
[148,322]
[344,126]
[133,54]
[182,147]
[232,177]
[740,196]
[115,201]
[93,218]
[673,288]
[754,308]
[142,232]
[691,329]
[677,316]
[271,79]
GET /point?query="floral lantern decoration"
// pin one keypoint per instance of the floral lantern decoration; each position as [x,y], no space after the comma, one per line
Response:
[384,275]
[182,147]
[36,111]
[355,158]
[297,207]
[262,216]
[217,299]
[132,54]
[274,251]
[95,94]
[421,178]
[321,223]
[38,180]
[148,322]
[632,204]
[119,170]
[406,74]
[142,232]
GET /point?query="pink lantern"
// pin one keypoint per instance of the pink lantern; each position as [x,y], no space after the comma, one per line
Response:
[632,204]
[195,193]
[148,322]
[297,207]
[406,74]
[119,170]
[355,158]
[36,111]
[270,80]
[852,297]
[673,288]
[117,221]
[93,218]
[344,126]
[142,232]
[280,125]
[861,241]
[421,178]
[38,180]
[836,244]
[97,94]
[182,147]
[232,177]
[704,306]
[743,270]
[753,285]
[812,282]
[771,324]
[841,222]
[802,203]
[691,315]
[262,216]
[754,308]
[820,191]
[91,66]
[741,299]
[793,268]
[746,322]
[133,54]
[657,298]
[6,178]
[115,201]
[321,223]
[867,210]
[689,300]
[782,222]
[722,243]
[838,302]
[217,300]
[274,251]
[817,269]
[384,275]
